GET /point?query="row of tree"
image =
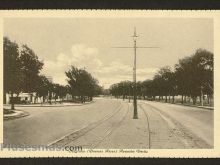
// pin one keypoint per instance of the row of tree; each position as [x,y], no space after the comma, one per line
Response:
[192,77]
[22,74]
[48,90]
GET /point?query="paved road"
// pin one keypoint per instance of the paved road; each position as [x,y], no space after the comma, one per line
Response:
[108,123]
[44,125]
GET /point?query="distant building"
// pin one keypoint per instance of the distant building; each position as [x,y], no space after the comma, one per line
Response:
[68,97]
[27,98]
[24,98]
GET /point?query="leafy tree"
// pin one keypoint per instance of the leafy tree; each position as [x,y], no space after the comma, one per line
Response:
[12,69]
[203,60]
[114,90]
[60,91]
[159,86]
[74,85]
[81,83]
[43,87]
[98,90]
[146,89]
[123,88]
[31,67]
[195,74]
[167,86]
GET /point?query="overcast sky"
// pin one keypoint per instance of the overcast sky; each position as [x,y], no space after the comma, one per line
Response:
[88,42]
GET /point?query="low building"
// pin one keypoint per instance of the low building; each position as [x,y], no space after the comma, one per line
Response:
[23,98]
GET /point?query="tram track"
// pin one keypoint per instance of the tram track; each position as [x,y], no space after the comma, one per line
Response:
[175,130]
[148,125]
[79,133]
[113,128]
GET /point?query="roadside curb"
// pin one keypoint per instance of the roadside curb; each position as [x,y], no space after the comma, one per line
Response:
[18,114]
[54,105]
[204,107]
[195,106]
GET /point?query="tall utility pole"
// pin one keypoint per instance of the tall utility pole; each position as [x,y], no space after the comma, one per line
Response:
[135,116]
[134,76]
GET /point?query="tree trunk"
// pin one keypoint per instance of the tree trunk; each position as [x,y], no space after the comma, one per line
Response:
[200,99]
[182,99]
[31,97]
[208,99]
[4,98]
[194,100]
[173,99]
[17,96]
[50,97]
[12,102]
[166,98]
[189,99]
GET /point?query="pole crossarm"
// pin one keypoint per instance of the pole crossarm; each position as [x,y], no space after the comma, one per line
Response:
[153,47]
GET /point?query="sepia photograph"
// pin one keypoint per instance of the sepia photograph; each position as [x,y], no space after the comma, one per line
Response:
[108,83]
